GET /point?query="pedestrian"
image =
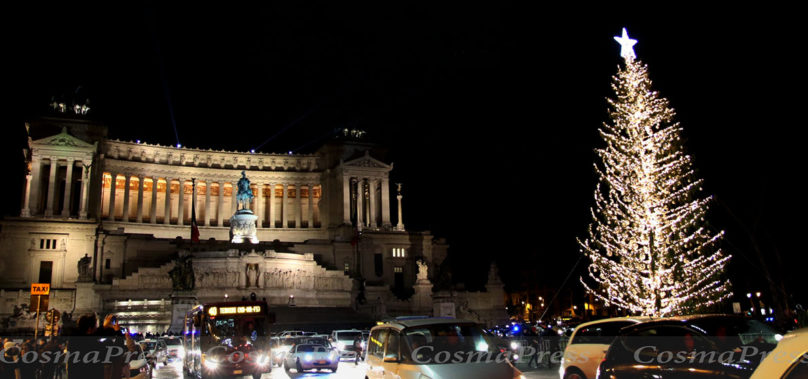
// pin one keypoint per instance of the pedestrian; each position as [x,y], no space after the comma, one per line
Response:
[533,342]
[357,343]
[9,367]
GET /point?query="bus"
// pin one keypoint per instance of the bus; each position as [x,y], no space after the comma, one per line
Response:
[228,339]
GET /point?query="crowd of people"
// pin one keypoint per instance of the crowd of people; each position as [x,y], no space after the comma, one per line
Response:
[90,349]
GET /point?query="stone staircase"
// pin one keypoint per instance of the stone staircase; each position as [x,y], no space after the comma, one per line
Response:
[146,277]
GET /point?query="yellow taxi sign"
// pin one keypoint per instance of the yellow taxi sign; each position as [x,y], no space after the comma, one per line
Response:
[41,289]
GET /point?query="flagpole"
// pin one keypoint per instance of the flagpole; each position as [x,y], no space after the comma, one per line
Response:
[194,226]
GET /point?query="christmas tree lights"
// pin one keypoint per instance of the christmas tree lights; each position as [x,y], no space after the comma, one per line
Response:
[650,250]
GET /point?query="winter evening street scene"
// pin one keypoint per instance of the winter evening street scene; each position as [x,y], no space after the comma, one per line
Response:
[403,190]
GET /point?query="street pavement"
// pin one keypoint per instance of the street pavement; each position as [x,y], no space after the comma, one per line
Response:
[346,370]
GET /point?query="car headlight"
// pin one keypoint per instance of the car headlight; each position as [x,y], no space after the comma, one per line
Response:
[210,365]
[180,351]
[307,357]
[514,345]
[340,346]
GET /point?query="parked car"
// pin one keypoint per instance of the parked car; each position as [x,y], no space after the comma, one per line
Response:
[139,367]
[789,360]
[155,351]
[698,346]
[304,357]
[414,348]
[344,340]
[589,343]
[174,348]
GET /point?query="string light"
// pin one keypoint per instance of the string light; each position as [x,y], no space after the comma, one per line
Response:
[649,249]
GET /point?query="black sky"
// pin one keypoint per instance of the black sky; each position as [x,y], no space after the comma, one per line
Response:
[490,110]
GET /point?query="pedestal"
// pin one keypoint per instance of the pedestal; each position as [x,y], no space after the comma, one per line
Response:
[181,303]
[422,298]
[87,301]
[242,227]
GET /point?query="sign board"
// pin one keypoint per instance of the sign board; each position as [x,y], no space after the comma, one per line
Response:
[40,289]
[41,301]
[736,307]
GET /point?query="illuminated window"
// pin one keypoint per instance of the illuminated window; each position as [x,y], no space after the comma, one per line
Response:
[399,252]
[398,269]
[347,267]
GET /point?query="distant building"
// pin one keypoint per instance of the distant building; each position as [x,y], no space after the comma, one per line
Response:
[328,235]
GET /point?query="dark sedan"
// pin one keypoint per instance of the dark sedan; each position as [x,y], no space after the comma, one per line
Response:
[708,346]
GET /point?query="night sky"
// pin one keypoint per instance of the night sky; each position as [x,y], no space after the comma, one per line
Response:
[490,111]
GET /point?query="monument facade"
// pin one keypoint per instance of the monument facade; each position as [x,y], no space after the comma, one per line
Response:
[107,223]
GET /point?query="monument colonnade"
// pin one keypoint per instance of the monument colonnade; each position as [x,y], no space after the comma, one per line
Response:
[278,203]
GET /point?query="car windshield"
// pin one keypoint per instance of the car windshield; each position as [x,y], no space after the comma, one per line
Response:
[451,338]
[344,336]
[747,330]
[148,345]
[250,327]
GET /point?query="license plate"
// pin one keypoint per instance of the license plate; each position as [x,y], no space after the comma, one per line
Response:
[236,372]
[322,362]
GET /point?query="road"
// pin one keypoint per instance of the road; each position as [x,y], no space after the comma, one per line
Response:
[346,370]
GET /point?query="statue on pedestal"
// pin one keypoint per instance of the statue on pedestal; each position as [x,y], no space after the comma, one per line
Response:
[242,223]
[182,275]
[85,271]
[423,273]
[245,194]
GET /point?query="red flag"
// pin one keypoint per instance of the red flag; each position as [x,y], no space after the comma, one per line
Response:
[194,226]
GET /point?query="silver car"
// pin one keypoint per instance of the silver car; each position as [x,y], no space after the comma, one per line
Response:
[434,348]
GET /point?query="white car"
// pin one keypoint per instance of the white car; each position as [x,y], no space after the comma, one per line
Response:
[304,357]
[155,350]
[588,345]
[789,360]
[344,341]
[174,348]
[435,348]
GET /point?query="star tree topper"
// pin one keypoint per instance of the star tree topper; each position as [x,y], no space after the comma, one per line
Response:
[626,45]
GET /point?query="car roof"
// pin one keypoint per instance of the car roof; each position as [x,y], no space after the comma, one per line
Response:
[416,322]
[614,319]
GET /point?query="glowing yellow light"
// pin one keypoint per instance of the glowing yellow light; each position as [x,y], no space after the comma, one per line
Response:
[213,311]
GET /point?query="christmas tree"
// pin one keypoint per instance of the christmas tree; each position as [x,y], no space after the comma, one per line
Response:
[650,250]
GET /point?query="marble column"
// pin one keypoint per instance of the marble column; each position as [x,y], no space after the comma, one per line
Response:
[26,211]
[285,206]
[112,189]
[259,205]
[386,203]
[233,199]
[126,197]
[85,190]
[299,212]
[219,206]
[360,199]
[372,203]
[346,200]
[140,188]
[153,213]
[207,202]
[272,205]
[68,187]
[51,187]
[167,219]
[400,225]
[36,181]
[181,203]
[311,206]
